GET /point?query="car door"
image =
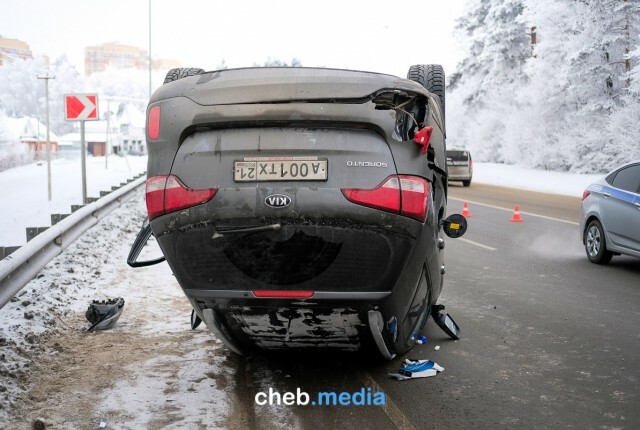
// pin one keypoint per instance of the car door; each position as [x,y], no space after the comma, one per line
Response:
[620,208]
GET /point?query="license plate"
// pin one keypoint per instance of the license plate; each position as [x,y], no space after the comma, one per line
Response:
[253,169]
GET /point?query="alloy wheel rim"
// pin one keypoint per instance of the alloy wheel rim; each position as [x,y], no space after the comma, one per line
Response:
[593,241]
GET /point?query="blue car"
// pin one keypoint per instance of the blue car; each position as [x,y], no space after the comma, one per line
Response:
[610,218]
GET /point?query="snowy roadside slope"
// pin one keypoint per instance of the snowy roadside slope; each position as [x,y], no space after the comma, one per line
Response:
[23,191]
[544,181]
[149,371]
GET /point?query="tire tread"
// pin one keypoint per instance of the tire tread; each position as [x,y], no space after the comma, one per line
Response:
[181,72]
[430,76]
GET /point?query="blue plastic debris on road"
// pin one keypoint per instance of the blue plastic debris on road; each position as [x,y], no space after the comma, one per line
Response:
[413,369]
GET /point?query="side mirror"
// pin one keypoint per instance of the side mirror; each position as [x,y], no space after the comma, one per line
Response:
[454,226]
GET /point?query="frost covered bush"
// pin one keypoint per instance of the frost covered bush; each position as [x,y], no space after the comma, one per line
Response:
[12,154]
[565,104]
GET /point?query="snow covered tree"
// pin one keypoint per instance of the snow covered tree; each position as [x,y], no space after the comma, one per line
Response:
[131,85]
[279,63]
[570,104]
[23,94]
[498,46]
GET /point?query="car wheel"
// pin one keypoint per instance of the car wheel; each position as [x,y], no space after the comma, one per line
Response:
[466,183]
[181,72]
[595,243]
[430,76]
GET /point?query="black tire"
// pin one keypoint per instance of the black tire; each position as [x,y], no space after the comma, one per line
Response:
[466,183]
[181,72]
[595,243]
[430,76]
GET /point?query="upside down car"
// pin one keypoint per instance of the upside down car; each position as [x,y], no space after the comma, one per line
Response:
[302,207]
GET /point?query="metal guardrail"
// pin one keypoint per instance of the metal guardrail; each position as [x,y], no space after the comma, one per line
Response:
[22,265]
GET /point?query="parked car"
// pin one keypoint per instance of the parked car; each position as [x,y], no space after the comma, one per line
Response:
[300,207]
[460,166]
[610,220]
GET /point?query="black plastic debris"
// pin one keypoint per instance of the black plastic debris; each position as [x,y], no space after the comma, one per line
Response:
[195,320]
[103,314]
[447,324]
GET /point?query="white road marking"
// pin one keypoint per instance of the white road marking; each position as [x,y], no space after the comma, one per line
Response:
[392,411]
[471,242]
[511,210]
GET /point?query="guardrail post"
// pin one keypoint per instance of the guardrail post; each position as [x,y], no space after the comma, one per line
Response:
[56,218]
[31,233]
[34,231]
[6,251]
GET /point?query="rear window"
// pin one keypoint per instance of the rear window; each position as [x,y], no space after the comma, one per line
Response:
[628,179]
[458,155]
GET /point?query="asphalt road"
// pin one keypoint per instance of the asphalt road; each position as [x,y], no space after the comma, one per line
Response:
[549,339]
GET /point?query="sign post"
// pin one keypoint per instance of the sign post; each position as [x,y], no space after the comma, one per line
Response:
[46,92]
[82,107]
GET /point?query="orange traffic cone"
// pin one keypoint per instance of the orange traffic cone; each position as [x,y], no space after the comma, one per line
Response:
[465,211]
[516,215]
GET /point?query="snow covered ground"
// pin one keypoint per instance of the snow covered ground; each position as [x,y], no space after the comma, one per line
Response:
[23,191]
[123,376]
[503,175]
[149,371]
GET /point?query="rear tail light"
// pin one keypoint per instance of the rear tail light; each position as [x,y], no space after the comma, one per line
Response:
[585,194]
[155,196]
[470,162]
[277,294]
[153,123]
[167,194]
[385,196]
[405,195]
[415,195]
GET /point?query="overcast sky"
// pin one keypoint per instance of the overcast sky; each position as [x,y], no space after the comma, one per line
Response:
[381,36]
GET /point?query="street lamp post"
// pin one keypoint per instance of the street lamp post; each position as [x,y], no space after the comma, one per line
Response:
[46,96]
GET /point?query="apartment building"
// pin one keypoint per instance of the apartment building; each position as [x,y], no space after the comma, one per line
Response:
[114,55]
[12,49]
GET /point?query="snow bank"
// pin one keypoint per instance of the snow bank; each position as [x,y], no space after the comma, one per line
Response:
[24,191]
[504,175]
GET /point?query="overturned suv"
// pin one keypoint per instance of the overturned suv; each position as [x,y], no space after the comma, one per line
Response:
[302,207]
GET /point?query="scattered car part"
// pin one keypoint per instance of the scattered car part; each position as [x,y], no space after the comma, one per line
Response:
[446,323]
[413,369]
[195,320]
[103,314]
[141,240]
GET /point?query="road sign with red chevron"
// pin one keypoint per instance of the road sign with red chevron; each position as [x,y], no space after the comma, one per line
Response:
[81,107]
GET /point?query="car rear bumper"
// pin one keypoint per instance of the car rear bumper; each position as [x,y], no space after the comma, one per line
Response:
[457,173]
[350,267]
[323,257]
